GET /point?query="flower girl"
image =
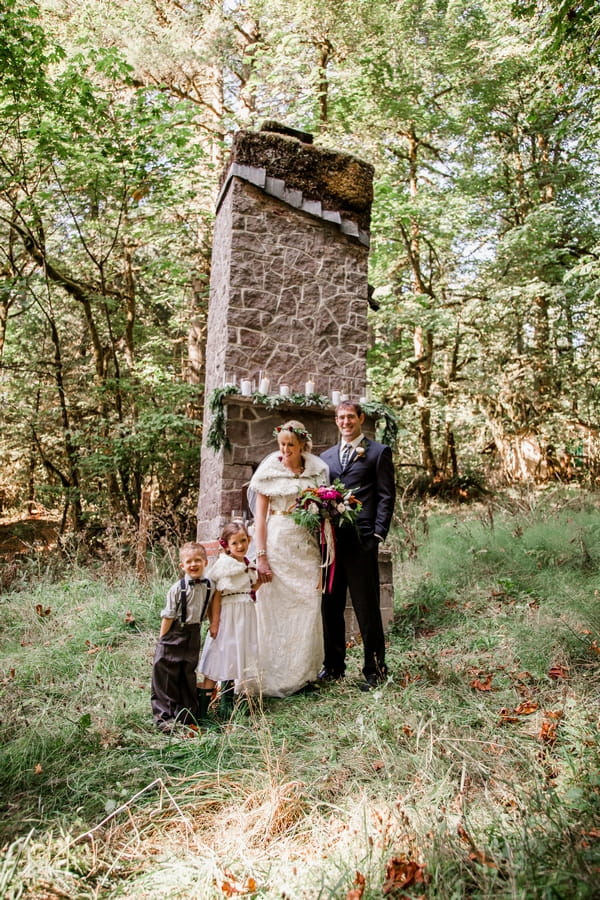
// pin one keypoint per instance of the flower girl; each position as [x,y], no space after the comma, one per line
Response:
[231,650]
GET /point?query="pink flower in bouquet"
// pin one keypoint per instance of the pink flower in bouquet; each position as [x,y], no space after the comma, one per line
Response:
[329,493]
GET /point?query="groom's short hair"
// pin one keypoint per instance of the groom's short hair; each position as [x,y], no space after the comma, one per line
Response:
[349,404]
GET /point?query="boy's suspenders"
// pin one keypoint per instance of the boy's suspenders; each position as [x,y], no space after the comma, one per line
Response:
[183,599]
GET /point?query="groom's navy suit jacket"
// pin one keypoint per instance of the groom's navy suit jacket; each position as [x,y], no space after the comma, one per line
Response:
[370,477]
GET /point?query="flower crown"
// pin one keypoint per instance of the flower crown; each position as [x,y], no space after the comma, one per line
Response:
[300,433]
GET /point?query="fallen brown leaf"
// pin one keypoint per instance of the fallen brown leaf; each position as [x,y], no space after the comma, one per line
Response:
[400,873]
[557,672]
[475,854]
[480,857]
[548,732]
[523,676]
[526,708]
[485,685]
[356,892]
[507,716]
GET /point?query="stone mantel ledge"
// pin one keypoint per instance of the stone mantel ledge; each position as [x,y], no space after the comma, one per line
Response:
[252,414]
[285,406]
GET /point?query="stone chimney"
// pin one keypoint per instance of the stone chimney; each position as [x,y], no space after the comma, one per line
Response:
[288,300]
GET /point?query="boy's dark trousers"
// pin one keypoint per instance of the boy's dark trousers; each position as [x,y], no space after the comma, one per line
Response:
[174,692]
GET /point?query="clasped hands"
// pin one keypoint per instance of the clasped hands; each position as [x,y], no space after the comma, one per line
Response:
[264,570]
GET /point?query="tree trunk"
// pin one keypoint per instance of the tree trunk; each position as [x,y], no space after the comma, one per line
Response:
[422,338]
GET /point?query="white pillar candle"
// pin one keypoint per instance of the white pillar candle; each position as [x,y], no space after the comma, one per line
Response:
[284,390]
[309,387]
[335,397]
[265,386]
[246,387]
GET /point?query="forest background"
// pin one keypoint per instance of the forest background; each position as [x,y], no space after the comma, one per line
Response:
[473,773]
[481,119]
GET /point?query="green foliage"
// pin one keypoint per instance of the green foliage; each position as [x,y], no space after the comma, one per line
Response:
[217,434]
[482,124]
[95,177]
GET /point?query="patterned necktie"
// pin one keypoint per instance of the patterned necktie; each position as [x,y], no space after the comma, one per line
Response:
[346,455]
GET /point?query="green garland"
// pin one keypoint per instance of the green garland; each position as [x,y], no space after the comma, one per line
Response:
[380,411]
[217,432]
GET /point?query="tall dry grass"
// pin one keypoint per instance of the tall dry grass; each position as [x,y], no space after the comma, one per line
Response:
[474,772]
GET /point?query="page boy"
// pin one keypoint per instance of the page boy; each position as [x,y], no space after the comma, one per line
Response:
[174,695]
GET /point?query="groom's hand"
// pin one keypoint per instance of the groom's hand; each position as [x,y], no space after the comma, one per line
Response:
[371,541]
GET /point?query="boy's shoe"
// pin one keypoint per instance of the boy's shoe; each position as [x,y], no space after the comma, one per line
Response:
[166,725]
[328,675]
[205,718]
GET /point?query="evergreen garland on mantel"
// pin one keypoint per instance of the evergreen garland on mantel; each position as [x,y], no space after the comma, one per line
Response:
[217,438]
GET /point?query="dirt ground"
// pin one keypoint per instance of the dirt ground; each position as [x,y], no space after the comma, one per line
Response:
[22,535]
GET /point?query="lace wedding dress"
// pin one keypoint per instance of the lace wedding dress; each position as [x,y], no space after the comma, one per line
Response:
[288,609]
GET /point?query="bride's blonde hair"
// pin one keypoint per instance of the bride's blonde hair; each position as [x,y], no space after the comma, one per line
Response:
[298,429]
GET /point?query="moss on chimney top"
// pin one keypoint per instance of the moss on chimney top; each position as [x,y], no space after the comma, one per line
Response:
[340,181]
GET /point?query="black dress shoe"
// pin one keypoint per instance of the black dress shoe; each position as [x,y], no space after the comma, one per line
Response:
[327,675]
[372,681]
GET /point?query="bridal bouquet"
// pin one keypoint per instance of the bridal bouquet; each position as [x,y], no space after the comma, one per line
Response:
[321,508]
[332,503]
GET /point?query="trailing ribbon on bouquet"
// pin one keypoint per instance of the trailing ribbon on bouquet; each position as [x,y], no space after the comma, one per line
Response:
[327,541]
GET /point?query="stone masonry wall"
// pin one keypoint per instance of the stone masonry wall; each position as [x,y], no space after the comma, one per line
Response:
[297,299]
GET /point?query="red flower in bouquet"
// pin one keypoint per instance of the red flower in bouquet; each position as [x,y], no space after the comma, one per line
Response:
[328,503]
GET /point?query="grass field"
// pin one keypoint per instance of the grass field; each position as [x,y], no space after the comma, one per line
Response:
[472,773]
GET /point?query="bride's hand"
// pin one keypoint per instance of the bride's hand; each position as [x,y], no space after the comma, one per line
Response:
[264,570]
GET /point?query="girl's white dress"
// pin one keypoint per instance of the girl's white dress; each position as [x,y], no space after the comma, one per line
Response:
[288,609]
[233,654]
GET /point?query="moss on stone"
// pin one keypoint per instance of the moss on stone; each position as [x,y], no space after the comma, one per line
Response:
[340,181]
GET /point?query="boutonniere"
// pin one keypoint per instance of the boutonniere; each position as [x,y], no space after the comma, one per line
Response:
[360,451]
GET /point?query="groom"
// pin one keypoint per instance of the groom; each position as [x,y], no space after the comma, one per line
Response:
[366,468]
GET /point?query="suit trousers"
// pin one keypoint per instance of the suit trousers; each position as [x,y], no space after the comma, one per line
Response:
[356,570]
[174,692]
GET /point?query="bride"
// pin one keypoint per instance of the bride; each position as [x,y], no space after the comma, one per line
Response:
[290,629]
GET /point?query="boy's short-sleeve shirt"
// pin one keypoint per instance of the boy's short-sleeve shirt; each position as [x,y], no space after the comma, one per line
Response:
[196,596]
